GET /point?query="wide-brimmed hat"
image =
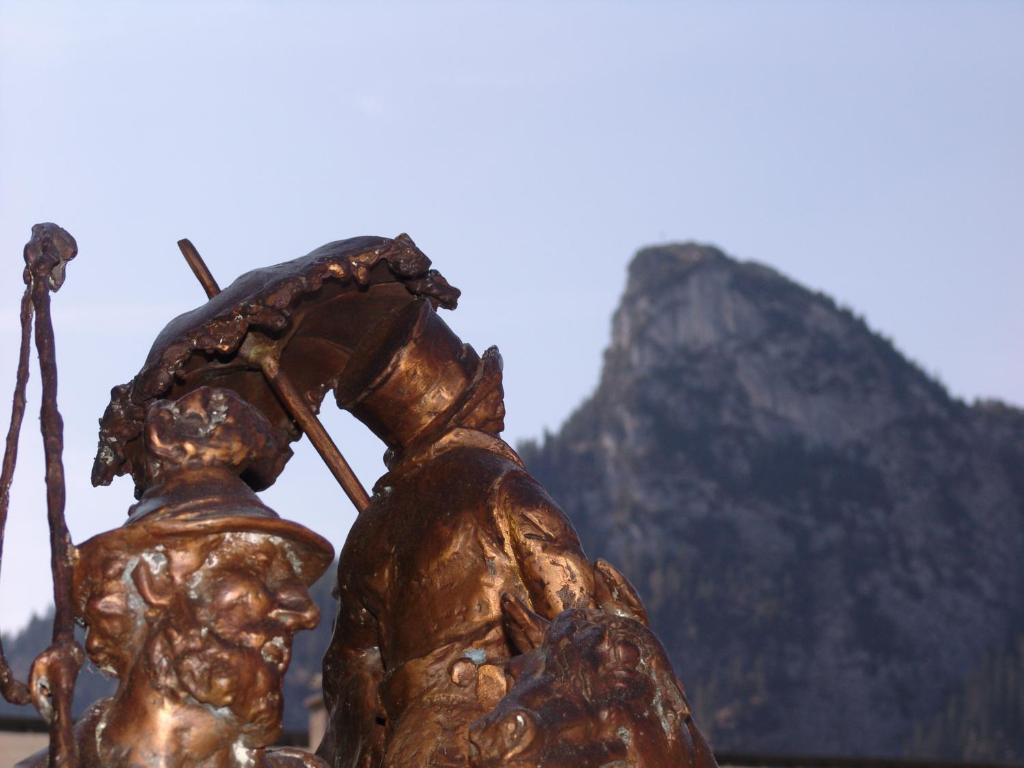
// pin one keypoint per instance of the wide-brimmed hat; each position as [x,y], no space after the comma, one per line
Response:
[205,506]
[199,445]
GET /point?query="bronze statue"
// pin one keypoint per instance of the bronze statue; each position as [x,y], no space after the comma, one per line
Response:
[472,630]
[419,646]
[193,602]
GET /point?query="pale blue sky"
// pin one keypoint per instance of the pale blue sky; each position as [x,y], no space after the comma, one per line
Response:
[868,149]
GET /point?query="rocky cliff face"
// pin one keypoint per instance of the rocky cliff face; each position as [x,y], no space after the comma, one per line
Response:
[830,545]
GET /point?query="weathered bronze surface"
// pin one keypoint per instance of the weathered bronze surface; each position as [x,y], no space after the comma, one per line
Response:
[454,524]
[419,668]
[590,689]
[53,674]
[300,318]
[472,629]
[193,602]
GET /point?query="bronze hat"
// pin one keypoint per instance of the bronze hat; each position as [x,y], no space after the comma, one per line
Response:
[410,373]
[208,507]
[197,447]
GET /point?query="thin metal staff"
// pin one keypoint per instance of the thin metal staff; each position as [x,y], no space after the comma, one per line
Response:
[54,671]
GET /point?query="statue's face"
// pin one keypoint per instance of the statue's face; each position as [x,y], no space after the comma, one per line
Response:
[242,608]
[113,622]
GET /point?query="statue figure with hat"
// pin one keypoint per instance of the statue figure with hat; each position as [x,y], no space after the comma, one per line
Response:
[193,602]
[419,644]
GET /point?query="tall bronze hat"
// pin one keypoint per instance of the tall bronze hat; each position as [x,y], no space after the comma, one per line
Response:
[412,374]
[196,449]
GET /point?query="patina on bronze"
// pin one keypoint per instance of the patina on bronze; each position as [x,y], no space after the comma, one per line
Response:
[297,407]
[52,680]
[419,645]
[279,336]
[419,668]
[590,689]
[193,602]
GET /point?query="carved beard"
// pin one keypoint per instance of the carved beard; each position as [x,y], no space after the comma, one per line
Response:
[221,676]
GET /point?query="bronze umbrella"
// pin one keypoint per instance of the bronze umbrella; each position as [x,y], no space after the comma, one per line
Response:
[280,337]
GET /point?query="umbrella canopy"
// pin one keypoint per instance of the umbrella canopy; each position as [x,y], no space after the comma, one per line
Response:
[297,321]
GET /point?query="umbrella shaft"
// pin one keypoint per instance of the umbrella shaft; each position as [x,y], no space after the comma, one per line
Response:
[310,424]
[199,268]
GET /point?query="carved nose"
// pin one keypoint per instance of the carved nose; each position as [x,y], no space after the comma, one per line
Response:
[627,653]
[295,610]
[620,651]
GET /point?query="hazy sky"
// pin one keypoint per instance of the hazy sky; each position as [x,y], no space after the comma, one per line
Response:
[871,150]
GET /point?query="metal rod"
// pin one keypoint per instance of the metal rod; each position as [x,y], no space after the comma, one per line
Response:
[318,436]
[13,689]
[61,680]
[52,679]
[290,397]
[199,268]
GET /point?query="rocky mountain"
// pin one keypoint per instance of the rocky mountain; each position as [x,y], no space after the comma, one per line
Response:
[831,546]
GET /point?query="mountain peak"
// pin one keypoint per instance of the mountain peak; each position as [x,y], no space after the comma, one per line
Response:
[678,255]
[662,266]
[799,361]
